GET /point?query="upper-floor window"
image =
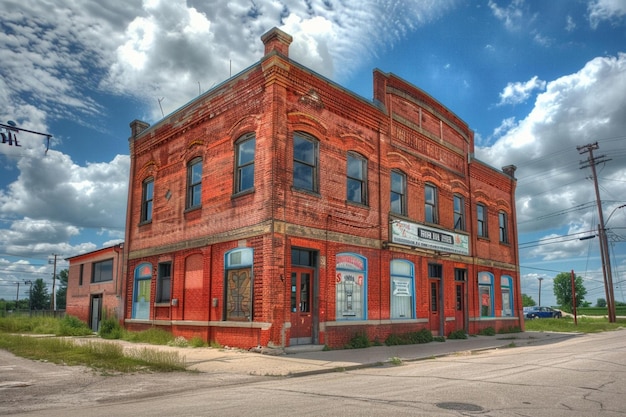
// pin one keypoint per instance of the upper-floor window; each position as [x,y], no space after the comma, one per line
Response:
[398,192]
[147,196]
[357,178]
[459,213]
[305,162]
[504,227]
[244,172]
[481,217]
[194,183]
[102,271]
[430,204]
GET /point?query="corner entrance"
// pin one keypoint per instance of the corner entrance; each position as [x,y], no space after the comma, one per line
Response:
[303,297]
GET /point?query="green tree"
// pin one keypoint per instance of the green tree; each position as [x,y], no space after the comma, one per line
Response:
[39,298]
[527,301]
[62,291]
[601,302]
[563,290]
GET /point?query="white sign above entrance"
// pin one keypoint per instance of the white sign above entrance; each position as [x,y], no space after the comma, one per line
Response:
[420,236]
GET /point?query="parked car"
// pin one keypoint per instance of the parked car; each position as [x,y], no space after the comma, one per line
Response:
[542,313]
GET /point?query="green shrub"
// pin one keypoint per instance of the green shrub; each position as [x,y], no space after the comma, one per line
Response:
[439,339]
[197,342]
[358,341]
[412,338]
[110,329]
[487,331]
[73,326]
[457,334]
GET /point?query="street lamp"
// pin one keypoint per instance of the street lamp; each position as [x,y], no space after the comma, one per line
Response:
[540,279]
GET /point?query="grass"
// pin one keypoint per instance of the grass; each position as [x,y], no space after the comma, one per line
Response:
[97,354]
[566,324]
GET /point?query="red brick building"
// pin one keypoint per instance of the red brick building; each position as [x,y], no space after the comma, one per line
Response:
[94,285]
[279,209]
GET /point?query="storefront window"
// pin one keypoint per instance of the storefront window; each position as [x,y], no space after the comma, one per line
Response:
[485,293]
[351,289]
[402,289]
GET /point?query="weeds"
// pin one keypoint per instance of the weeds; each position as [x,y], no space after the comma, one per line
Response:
[95,354]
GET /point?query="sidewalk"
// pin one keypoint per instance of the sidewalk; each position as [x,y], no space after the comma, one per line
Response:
[298,361]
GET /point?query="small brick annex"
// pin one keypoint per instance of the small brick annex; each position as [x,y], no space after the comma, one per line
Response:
[279,209]
[94,285]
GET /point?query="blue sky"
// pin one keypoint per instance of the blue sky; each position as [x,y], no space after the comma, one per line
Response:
[533,79]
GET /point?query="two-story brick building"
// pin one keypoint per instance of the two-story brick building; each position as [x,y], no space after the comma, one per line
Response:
[278,208]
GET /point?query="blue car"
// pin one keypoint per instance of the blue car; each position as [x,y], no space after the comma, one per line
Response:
[542,313]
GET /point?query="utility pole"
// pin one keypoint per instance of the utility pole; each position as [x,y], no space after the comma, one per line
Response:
[17,297]
[604,244]
[53,304]
[540,279]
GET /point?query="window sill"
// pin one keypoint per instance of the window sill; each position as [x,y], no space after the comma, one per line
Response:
[357,204]
[242,193]
[305,191]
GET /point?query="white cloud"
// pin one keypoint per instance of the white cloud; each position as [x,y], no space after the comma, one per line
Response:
[519,92]
[574,110]
[606,10]
[512,16]
[53,199]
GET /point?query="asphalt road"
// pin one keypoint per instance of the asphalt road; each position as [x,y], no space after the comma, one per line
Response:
[581,376]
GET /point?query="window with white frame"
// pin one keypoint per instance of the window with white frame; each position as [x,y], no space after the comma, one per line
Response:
[351,286]
[402,289]
[485,294]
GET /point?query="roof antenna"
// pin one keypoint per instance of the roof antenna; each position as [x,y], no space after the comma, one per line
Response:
[230,62]
[161,107]
[199,89]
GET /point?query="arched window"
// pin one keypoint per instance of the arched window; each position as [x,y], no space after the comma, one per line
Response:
[141,291]
[238,285]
